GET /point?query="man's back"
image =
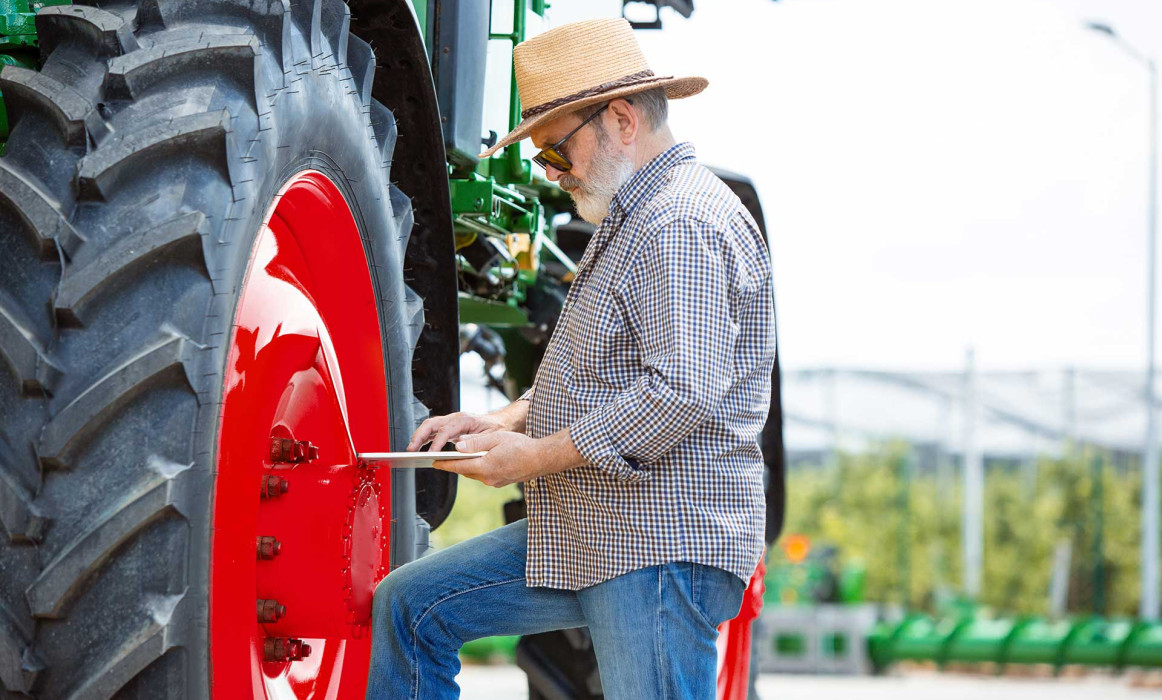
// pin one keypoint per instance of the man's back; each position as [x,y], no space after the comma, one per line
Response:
[660,366]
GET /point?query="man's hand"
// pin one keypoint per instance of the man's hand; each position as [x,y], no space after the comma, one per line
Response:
[441,429]
[512,457]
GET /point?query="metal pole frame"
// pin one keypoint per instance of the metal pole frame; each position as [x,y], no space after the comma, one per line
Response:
[1150,485]
[1149,552]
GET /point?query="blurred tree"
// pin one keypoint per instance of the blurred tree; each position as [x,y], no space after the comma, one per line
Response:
[856,505]
[478,509]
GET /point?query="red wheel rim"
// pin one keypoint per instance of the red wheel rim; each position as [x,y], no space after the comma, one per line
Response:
[304,385]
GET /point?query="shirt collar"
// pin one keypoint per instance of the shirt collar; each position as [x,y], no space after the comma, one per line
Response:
[646,180]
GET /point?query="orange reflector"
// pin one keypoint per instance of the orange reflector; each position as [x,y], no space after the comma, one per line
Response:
[796,547]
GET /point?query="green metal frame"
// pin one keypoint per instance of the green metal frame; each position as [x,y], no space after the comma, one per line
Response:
[500,197]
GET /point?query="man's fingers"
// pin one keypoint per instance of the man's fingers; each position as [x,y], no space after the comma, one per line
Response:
[470,468]
[440,429]
[447,465]
[446,433]
[421,435]
[424,432]
[478,442]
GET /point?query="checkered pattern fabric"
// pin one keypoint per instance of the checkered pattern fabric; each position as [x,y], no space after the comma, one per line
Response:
[660,366]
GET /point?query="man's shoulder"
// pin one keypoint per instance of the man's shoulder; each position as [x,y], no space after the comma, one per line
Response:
[692,192]
[693,196]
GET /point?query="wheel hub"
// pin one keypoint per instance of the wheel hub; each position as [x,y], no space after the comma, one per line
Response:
[300,525]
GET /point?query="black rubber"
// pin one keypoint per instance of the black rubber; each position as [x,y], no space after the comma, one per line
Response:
[404,85]
[142,159]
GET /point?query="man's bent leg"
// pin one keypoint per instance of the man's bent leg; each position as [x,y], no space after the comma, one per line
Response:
[654,629]
[427,609]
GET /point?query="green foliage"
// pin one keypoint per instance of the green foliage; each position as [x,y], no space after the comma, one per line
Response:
[904,523]
[478,509]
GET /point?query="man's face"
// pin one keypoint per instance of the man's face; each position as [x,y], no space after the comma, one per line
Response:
[599,167]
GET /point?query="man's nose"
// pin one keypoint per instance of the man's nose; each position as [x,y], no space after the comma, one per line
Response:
[553,173]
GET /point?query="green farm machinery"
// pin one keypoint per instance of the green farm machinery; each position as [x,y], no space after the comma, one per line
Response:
[979,639]
[246,240]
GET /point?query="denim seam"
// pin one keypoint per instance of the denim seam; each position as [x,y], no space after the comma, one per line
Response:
[695,585]
[697,607]
[415,627]
[658,646]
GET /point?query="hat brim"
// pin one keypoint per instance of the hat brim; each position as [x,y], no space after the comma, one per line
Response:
[676,89]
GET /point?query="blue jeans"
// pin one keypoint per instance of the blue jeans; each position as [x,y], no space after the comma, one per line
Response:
[653,629]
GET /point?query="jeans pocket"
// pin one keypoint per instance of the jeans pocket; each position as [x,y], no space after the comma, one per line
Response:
[716,593]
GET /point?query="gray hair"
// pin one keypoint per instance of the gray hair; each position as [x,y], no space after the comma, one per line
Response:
[652,104]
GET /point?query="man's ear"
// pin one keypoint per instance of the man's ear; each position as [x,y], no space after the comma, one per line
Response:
[626,119]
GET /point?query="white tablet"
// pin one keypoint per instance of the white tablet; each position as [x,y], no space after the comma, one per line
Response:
[414,460]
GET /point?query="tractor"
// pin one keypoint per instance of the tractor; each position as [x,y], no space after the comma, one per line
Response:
[249,240]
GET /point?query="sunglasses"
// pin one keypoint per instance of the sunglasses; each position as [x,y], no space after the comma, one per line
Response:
[552,156]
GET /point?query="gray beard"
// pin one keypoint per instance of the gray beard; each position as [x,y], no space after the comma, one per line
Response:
[608,171]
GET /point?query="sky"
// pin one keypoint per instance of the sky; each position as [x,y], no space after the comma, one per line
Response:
[935,174]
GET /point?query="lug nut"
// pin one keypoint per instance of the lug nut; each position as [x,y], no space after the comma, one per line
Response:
[284,649]
[287,451]
[274,486]
[282,450]
[268,547]
[270,610]
[304,450]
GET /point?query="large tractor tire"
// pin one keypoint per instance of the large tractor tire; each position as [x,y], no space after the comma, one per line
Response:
[203,315]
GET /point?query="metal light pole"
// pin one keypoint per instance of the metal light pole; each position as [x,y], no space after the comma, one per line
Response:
[1150,484]
[972,524]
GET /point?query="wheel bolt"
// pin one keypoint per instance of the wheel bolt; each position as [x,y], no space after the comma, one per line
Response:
[305,451]
[274,486]
[287,451]
[270,610]
[284,649]
[268,547]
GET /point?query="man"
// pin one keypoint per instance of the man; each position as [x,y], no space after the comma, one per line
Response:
[638,444]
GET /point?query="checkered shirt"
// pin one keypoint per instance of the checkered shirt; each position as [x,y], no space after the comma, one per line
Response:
[660,366]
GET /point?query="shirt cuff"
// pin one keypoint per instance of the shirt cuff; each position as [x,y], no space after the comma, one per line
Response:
[527,396]
[591,439]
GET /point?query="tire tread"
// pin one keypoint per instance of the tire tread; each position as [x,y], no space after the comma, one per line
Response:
[81,282]
[19,515]
[40,213]
[27,90]
[63,577]
[127,664]
[206,133]
[132,75]
[99,401]
[24,352]
[105,33]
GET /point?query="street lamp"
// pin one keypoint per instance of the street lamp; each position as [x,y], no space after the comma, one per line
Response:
[1150,484]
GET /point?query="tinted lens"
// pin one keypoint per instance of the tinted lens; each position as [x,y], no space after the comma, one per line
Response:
[550,156]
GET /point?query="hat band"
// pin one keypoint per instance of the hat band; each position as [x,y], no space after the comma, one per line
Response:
[631,79]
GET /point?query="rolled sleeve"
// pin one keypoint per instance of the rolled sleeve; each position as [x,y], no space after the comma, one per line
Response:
[591,439]
[527,396]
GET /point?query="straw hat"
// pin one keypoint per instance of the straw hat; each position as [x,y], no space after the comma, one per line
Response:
[579,64]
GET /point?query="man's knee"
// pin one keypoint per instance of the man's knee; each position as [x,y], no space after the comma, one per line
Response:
[397,597]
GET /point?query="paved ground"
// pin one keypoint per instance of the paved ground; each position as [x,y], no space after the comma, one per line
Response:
[508,683]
